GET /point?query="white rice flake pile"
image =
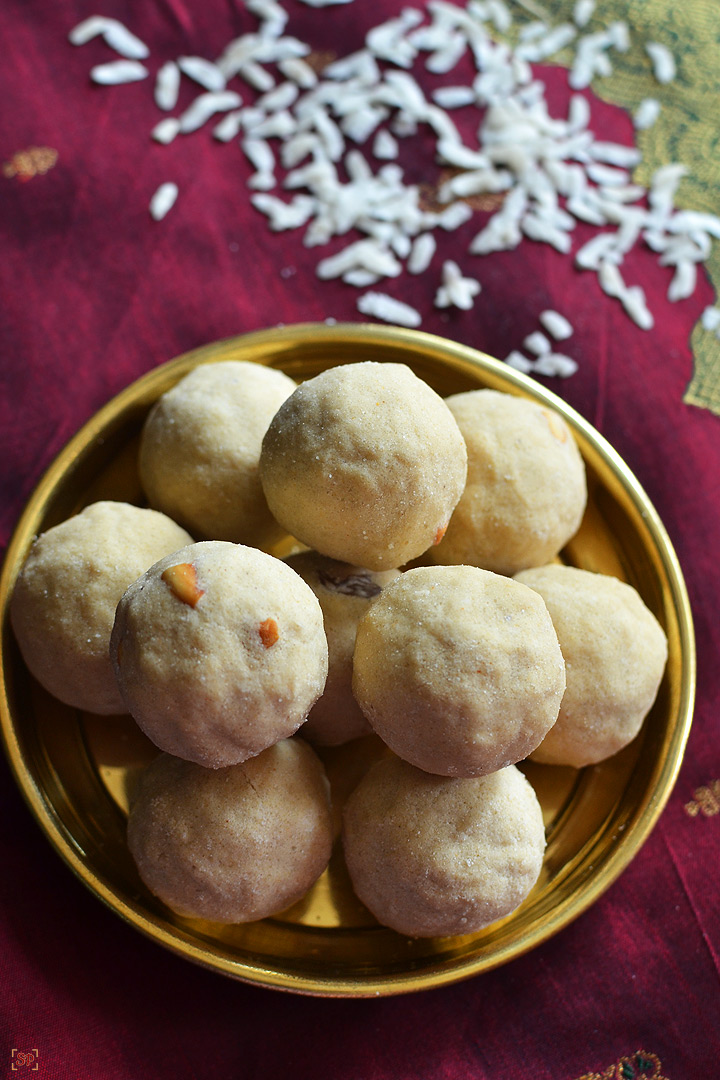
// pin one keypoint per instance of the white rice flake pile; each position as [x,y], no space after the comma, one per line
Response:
[329,144]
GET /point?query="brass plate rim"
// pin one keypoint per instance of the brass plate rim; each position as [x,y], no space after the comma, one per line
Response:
[275,343]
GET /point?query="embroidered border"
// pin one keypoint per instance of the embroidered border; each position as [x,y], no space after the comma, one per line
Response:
[706,800]
[638,1066]
[35,161]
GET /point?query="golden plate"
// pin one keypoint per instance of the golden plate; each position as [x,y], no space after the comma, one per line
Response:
[75,770]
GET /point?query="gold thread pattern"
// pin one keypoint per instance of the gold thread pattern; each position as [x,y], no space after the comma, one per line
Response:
[35,161]
[706,800]
[638,1066]
[686,130]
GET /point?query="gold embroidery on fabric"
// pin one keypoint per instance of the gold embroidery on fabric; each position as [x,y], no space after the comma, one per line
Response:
[36,160]
[637,1066]
[686,131]
[706,801]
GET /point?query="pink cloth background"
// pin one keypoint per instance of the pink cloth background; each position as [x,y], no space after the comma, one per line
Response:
[94,293]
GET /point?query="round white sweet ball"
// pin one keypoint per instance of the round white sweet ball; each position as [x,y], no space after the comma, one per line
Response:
[458,669]
[233,844]
[526,489]
[434,856]
[364,463]
[200,451]
[615,653]
[64,600]
[219,652]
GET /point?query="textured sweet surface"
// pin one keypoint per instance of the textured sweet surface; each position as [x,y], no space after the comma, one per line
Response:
[458,670]
[615,652]
[526,490]
[345,593]
[200,451]
[433,856]
[233,844]
[219,679]
[64,600]
[364,463]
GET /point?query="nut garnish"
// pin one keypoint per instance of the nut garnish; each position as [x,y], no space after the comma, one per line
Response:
[269,632]
[183,582]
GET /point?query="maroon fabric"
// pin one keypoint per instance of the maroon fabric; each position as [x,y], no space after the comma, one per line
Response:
[94,293]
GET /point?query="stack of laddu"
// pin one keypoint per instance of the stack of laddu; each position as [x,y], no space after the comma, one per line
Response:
[422,601]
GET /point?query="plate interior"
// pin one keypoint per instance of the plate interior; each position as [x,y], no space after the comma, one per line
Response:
[78,771]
